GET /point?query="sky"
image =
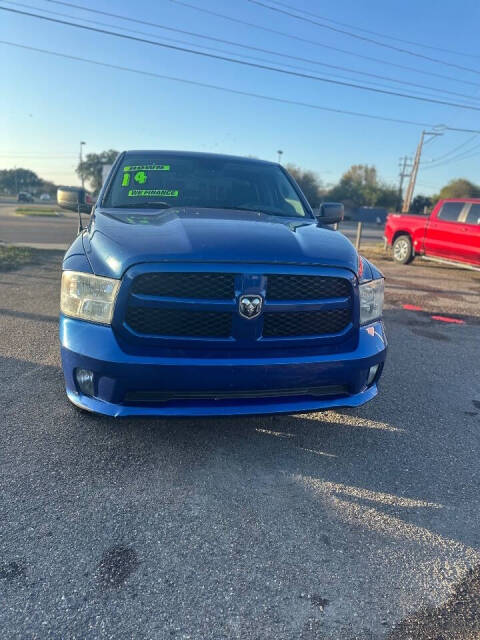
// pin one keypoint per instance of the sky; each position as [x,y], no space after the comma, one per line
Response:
[48,104]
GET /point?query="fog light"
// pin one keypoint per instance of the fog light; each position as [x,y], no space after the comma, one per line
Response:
[372,372]
[85,381]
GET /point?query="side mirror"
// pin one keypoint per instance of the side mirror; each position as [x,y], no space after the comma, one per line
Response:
[74,199]
[330,213]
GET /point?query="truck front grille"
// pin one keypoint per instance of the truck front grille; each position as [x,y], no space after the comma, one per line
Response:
[300,287]
[155,396]
[213,286]
[203,304]
[176,322]
[305,323]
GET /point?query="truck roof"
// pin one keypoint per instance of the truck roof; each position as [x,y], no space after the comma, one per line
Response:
[199,154]
[459,200]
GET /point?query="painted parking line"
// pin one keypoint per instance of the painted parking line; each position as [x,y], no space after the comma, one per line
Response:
[439,318]
[412,307]
[448,319]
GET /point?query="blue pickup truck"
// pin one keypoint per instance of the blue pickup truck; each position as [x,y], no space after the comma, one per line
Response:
[206,285]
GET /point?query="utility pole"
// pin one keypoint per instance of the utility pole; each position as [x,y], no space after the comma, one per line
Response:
[403,174]
[280,153]
[81,160]
[413,177]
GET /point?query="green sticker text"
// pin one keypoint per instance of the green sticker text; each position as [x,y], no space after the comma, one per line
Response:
[163,193]
[140,177]
[147,167]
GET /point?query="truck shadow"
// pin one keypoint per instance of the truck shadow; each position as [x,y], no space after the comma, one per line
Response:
[346,448]
[346,457]
[457,618]
[25,315]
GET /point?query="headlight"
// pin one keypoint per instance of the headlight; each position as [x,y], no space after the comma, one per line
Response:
[371,301]
[88,297]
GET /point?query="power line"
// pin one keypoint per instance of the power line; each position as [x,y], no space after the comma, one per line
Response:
[239,92]
[236,44]
[461,156]
[256,58]
[460,159]
[376,33]
[425,184]
[365,38]
[454,150]
[241,62]
[312,42]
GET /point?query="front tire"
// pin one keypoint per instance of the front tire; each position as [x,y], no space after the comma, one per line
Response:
[403,249]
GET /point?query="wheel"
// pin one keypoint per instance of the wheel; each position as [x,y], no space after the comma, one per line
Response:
[403,250]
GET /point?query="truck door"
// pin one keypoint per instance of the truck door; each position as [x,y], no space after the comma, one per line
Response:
[444,235]
[471,234]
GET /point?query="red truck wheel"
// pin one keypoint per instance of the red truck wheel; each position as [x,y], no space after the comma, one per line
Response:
[402,249]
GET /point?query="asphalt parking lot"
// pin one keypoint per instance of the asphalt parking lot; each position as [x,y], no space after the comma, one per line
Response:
[54,232]
[356,524]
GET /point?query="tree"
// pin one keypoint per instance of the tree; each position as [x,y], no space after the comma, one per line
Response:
[362,174]
[48,187]
[91,168]
[309,183]
[387,197]
[15,180]
[419,203]
[458,188]
[360,187]
[356,187]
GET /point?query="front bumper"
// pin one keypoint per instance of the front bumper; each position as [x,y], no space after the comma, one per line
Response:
[95,347]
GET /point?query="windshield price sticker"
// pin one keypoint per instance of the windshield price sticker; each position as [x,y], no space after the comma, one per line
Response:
[147,167]
[163,193]
[140,177]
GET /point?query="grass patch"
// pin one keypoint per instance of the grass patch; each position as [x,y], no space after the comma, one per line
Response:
[375,251]
[14,257]
[37,211]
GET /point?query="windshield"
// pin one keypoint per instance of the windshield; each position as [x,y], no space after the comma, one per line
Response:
[160,181]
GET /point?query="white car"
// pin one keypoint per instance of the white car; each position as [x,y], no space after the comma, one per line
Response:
[45,196]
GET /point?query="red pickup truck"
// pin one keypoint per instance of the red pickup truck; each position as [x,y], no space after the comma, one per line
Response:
[451,233]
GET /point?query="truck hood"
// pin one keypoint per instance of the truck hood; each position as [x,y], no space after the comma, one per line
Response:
[118,239]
